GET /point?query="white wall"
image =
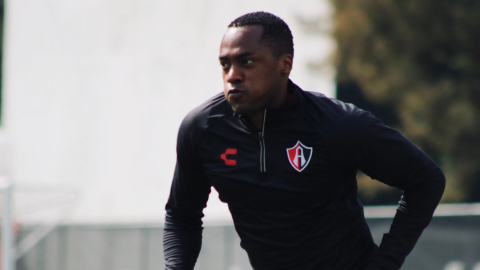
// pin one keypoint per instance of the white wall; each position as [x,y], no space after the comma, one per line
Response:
[95,91]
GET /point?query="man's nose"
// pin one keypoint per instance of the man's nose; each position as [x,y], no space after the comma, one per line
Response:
[234,74]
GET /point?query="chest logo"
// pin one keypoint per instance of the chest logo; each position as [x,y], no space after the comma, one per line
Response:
[229,152]
[299,156]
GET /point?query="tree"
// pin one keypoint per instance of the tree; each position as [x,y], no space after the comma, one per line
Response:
[422,58]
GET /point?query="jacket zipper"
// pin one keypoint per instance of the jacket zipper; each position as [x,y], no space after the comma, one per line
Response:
[261,135]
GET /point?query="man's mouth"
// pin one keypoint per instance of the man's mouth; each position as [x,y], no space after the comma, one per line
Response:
[235,93]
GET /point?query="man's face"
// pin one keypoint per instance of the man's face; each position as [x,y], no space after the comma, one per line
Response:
[251,73]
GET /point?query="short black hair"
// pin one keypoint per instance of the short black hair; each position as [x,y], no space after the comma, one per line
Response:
[276,33]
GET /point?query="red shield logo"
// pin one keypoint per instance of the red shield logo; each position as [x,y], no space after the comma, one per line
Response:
[299,156]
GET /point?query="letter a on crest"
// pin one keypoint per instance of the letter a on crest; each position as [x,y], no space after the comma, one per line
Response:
[299,156]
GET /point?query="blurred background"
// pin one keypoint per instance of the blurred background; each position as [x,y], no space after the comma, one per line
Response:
[93,92]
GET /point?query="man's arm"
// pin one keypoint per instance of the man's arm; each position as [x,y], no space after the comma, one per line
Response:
[384,154]
[182,237]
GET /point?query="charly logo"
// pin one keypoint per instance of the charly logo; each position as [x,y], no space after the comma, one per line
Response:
[299,156]
[227,157]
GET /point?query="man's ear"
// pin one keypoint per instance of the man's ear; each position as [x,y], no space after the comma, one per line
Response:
[286,64]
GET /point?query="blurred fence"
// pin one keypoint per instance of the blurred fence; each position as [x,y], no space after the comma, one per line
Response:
[449,243]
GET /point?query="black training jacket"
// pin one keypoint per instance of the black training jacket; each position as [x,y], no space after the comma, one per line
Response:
[291,187]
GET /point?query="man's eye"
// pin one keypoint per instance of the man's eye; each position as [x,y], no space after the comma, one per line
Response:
[247,61]
[224,65]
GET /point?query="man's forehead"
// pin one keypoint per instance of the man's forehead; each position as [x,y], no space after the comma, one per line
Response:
[243,35]
[238,40]
[246,29]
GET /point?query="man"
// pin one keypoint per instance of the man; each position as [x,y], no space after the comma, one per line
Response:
[285,162]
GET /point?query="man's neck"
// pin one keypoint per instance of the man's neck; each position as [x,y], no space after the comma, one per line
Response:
[257,119]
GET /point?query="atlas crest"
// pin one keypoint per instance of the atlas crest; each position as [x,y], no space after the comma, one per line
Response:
[299,156]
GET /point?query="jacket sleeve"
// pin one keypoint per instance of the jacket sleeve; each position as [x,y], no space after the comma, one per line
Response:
[182,237]
[384,154]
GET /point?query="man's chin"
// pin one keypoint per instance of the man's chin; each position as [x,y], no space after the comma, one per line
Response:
[245,111]
[238,109]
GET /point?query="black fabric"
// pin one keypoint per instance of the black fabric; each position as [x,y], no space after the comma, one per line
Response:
[291,219]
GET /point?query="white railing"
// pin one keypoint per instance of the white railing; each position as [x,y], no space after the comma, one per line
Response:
[8,261]
[11,252]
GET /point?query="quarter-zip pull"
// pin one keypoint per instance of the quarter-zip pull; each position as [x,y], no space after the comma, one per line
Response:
[261,134]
